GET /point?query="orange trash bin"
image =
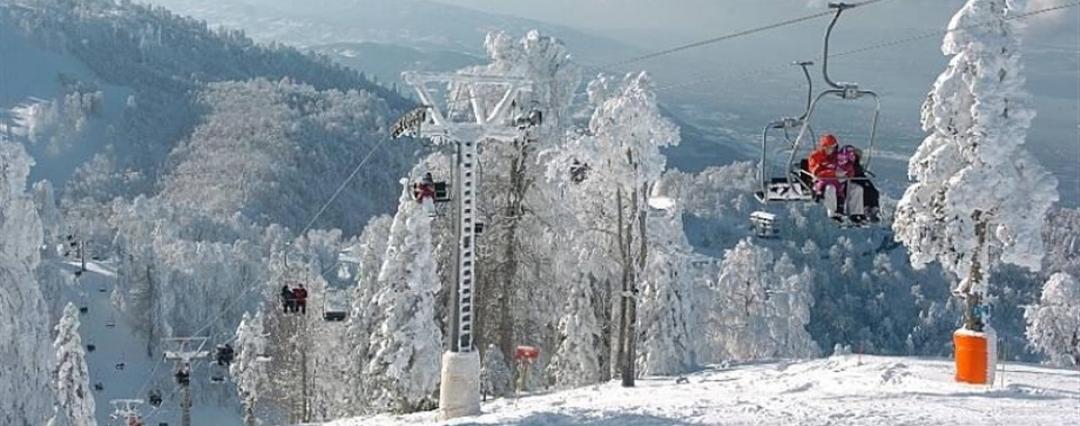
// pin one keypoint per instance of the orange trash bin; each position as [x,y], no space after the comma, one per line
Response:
[972,357]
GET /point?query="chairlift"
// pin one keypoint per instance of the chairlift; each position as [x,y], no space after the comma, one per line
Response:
[427,187]
[335,305]
[533,118]
[797,183]
[783,188]
[217,376]
[579,171]
[764,224]
[183,376]
[155,398]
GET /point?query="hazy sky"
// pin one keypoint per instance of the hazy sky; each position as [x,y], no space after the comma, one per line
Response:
[690,18]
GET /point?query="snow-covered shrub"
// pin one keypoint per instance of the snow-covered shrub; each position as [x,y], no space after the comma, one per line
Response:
[1054,323]
[495,375]
[759,307]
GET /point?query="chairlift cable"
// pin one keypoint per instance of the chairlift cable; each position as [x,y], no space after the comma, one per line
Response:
[878,46]
[734,35]
[606,68]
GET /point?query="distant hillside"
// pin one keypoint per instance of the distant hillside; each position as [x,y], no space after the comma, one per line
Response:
[420,24]
[385,62]
[103,93]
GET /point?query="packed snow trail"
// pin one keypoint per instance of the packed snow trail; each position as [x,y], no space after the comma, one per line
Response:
[841,390]
[115,342]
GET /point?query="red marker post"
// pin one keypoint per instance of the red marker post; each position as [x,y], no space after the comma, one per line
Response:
[525,356]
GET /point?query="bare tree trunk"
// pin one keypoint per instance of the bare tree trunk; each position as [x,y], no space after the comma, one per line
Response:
[304,404]
[630,370]
[972,298]
[623,243]
[151,324]
[513,211]
[602,309]
[249,412]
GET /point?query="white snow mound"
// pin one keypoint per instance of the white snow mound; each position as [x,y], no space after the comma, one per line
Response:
[840,390]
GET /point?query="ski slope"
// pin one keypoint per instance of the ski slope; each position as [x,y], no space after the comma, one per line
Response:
[120,363]
[841,390]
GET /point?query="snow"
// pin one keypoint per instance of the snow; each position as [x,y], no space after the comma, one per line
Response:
[95,267]
[849,389]
[117,341]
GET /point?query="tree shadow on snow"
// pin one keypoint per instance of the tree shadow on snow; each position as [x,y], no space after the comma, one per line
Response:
[558,419]
[1012,393]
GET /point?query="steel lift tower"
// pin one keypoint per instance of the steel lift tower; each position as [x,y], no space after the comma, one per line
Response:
[126,412]
[466,122]
[185,350]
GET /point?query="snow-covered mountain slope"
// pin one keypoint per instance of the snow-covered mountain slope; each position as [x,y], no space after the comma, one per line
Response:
[112,98]
[120,365]
[841,390]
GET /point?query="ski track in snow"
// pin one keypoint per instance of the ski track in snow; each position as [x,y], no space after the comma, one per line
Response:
[841,390]
[116,342]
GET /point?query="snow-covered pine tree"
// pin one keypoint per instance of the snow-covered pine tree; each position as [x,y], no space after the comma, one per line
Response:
[24,326]
[71,379]
[363,317]
[576,360]
[407,343]
[978,198]
[666,301]
[1053,325]
[249,368]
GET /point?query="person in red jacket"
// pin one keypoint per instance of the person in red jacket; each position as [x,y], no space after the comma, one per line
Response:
[300,299]
[424,189]
[823,165]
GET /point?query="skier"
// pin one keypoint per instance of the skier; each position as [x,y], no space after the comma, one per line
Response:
[823,166]
[288,303]
[852,195]
[134,421]
[300,299]
[871,196]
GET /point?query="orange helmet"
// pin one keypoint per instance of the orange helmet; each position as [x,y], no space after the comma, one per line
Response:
[827,140]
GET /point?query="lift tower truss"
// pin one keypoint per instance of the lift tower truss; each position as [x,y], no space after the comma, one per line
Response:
[185,351]
[126,412]
[477,109]
[468,120]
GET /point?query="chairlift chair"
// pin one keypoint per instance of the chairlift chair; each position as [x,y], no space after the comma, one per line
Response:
[764,224]
[797,184]
[784,188]
[155,398]
[335,307]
